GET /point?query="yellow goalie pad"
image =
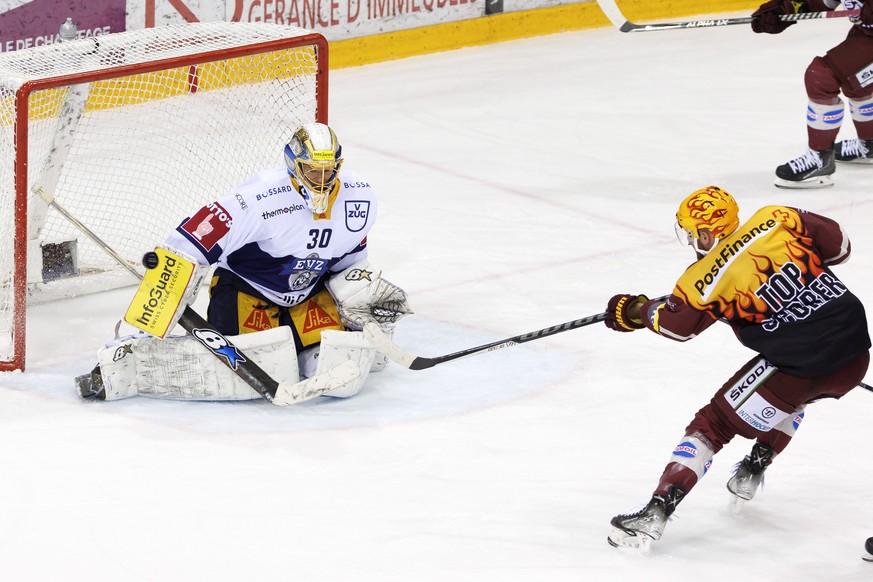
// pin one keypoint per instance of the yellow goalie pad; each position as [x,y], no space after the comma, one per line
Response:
[164,293]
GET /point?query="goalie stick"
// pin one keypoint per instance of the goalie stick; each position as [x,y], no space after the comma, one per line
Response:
[280,394]
[384,344]
[614,14]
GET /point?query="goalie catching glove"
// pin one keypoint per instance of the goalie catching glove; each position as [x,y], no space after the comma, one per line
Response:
[362,296]
[623,312]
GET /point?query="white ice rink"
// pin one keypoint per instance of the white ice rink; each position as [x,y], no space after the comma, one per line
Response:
[521,185]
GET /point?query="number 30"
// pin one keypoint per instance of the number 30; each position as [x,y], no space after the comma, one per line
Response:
[320,238]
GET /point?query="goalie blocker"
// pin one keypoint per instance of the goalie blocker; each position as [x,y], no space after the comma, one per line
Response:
[170,284]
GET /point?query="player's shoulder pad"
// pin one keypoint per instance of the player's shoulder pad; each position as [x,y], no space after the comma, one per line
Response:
[776,212]
[262,188]
[354,184]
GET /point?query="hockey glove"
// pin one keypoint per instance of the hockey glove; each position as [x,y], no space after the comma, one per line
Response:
[362,296]
[766,18]
[623,312]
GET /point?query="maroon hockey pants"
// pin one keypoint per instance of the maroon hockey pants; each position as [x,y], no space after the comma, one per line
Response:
[717,422]
[836,72]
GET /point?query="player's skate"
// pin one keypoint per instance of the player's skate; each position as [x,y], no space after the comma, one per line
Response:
[868,550]
[857,151]
[748,475]
[638,530]
[90,385]
[811,170]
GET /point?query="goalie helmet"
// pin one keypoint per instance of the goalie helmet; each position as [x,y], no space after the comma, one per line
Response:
[314,157]
[711,208]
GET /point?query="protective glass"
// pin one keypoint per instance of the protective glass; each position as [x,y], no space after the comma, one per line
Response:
[685,237]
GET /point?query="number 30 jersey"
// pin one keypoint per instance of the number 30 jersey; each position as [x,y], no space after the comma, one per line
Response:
[263,232]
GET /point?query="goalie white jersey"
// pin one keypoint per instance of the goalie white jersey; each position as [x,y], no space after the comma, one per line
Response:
[263,232]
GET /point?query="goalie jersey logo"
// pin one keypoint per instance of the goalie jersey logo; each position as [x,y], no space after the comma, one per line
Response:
[357,212]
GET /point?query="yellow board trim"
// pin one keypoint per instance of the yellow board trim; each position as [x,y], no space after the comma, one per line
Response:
[512,26]
[385,47]
[146,87]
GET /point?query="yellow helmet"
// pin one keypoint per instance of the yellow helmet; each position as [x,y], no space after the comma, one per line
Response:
[314,157]
[711,208]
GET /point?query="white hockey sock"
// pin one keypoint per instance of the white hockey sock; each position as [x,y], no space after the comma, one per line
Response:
[824,117]
[861,111]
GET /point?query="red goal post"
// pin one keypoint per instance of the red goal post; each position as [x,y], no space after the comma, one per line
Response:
[130,132]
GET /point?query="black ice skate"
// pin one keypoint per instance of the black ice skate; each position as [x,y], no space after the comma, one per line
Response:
[856,151]
[811,170]
[638,530]
[868,550]
[90,385]
[749,474]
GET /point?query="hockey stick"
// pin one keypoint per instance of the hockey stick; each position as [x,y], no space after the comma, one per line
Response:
[613,13]
[384,344]
[281,394]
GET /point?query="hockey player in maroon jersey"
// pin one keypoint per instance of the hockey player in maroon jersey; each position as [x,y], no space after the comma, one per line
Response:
[846,68]
[770,279]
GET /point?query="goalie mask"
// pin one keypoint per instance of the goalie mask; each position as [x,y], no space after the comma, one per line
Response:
[314,158]
[711,208]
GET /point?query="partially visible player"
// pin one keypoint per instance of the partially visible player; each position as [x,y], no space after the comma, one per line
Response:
[770,279]
[846,68]
[290,253]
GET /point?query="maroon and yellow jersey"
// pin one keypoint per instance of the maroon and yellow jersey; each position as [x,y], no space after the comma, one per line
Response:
[771,281]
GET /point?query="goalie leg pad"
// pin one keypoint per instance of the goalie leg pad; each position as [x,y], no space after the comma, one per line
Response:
[181,368]
[307,360]
[118,367]
[380,361]
[338,347]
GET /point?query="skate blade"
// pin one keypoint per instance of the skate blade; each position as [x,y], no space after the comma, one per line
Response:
[83,385]
[737,504]
[808,184]
[621,539]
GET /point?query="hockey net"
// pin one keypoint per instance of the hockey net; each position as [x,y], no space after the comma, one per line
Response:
[130,133]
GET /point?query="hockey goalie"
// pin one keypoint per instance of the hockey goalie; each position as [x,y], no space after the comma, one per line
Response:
[291,288]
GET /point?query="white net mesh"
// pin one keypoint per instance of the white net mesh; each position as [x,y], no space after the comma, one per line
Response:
[149,146]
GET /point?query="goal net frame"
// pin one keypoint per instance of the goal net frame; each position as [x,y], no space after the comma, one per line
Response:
[12,356]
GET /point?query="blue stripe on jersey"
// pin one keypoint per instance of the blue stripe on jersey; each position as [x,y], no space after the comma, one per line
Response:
[357,249]
[260,268]
[211,256]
